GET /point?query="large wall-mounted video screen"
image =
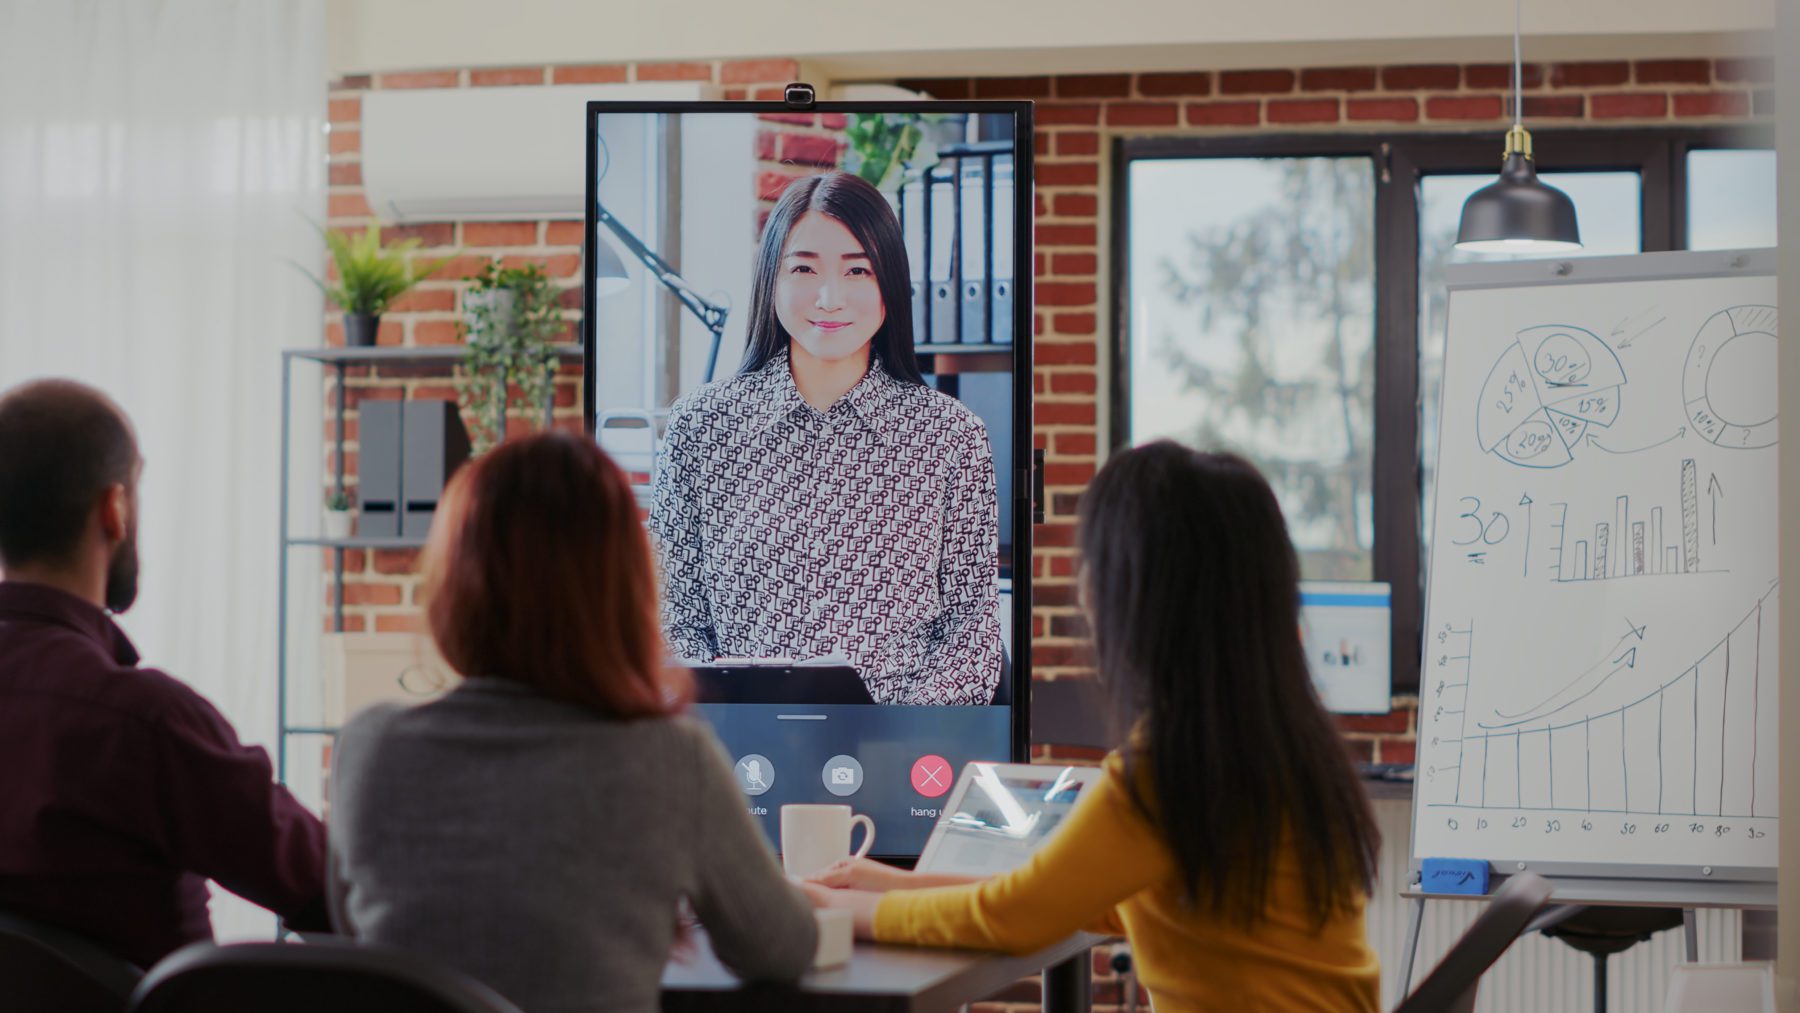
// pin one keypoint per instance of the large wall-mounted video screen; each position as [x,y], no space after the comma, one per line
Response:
[808,342]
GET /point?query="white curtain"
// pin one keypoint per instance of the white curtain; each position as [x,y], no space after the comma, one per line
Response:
[160,161]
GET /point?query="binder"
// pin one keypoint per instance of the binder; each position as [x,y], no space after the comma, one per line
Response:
[434,444]
[378,469]
[1004,240]
[912,231]
[974,244]
[941,240]
[979,290]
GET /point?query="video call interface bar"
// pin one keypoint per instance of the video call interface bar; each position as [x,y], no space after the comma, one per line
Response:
[896,764]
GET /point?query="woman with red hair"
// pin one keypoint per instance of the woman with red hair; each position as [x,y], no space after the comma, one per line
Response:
[538,826]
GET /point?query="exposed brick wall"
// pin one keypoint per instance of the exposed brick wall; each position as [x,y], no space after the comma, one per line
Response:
[788,147]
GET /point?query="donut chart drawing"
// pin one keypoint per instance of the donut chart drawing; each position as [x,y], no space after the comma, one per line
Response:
[1728,384]
[1545,391]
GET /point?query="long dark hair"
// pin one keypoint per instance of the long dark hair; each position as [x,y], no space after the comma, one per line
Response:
[1192,586]
[862,209]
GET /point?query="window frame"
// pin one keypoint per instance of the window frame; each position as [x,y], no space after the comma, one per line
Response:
[1657,155]
[1705,140]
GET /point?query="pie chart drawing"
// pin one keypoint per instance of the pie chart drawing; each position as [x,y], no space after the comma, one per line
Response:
[1545,391]
[1728,384]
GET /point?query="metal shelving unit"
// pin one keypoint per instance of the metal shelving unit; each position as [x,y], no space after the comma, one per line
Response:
[340,361]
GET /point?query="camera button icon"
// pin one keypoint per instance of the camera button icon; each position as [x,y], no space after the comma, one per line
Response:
[843,775]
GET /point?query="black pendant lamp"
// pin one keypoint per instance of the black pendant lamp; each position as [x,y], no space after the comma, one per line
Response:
[1518,213]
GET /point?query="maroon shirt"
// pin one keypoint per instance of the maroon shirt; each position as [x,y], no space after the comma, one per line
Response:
[122,791]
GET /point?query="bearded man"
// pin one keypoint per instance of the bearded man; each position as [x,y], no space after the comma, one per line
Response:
[122,791]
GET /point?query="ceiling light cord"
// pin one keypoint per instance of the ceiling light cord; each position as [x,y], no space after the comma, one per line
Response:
[1518,213]
[1518,79]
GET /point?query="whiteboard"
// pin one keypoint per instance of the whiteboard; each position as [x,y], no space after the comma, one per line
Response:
[1598,681]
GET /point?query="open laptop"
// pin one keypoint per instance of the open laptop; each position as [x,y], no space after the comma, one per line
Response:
[999,813]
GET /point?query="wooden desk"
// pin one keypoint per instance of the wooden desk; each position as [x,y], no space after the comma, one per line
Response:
[886,979]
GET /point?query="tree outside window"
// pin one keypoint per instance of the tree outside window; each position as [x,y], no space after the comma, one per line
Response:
[1253,330]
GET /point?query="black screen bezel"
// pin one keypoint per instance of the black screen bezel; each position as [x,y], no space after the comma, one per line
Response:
[1024,218]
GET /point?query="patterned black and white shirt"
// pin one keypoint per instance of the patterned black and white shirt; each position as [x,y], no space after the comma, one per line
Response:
[870,529]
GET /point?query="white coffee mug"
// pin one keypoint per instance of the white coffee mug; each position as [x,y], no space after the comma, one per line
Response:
[814,837]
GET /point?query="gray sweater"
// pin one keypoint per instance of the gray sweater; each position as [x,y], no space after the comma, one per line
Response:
[543,849]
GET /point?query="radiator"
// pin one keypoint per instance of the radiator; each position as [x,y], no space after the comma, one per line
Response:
[1538,975]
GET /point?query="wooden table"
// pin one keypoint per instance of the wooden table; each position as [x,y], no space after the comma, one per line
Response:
[887,979]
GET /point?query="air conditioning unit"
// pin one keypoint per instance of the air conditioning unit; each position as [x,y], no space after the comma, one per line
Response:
[438,154]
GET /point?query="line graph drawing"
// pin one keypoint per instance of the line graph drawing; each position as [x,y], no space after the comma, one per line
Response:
[1544,392]
[1728,384]
[1687,742]
[1626,658]
[1635,545]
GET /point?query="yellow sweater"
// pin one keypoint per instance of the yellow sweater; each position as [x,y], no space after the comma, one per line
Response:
[1107,870]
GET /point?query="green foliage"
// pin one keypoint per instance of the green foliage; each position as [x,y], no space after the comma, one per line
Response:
[511,321]
[369,275]
[882,145]
[337,499]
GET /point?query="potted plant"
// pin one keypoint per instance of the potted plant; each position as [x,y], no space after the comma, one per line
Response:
[882,146]
[337,515]
[369,278]
[511,322]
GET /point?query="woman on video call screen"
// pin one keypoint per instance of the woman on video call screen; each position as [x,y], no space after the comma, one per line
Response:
[824,501]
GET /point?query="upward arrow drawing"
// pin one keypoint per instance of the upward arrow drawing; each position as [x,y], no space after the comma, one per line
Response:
[1713,491]
[1525,501]
[1584,684]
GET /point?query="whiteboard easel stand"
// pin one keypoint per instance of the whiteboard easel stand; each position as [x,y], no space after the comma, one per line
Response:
[1674,886]
[1686,887]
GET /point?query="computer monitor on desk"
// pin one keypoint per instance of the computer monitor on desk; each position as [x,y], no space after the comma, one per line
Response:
[1347,631]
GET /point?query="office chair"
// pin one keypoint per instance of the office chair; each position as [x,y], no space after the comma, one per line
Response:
[1601,932]
[1450,988]
[337,975]
[52,969]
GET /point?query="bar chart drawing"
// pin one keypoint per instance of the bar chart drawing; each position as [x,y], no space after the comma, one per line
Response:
[1645,738]
[1628,544]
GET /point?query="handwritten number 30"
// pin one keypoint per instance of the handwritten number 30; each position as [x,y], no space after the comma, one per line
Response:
[1492,531]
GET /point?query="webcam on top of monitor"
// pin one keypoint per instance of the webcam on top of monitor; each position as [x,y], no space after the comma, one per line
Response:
[800,95]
